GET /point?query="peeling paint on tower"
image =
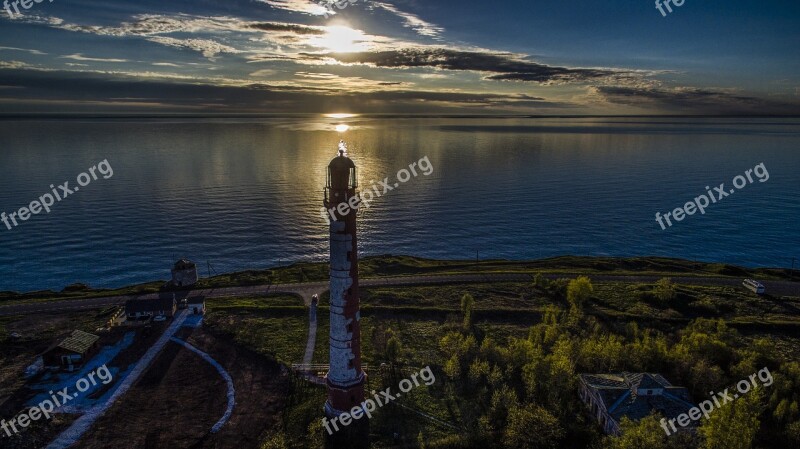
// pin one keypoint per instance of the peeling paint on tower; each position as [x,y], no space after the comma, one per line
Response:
[346,378]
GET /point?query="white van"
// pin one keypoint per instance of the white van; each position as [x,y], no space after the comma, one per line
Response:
[754,286]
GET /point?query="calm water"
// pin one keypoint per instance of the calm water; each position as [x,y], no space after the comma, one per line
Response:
[246,194]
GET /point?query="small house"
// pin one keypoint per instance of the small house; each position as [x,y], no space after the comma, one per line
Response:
[196,305]
[72,352]
[610,397]
[149,308]
[184,273]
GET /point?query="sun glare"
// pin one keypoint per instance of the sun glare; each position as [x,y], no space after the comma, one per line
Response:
[340,39]
[340,115]
[342,128]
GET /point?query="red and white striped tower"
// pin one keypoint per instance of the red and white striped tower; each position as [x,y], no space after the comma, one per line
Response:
[345,379]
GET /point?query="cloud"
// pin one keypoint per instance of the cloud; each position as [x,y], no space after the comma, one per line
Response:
[33,52]
[207,47]
[691,99]
[80,57]
[301,6]
[501,66]
[263,72]
[331,81]
[15,65]
[293,28]
[412,21]
[58,91]
[153,24]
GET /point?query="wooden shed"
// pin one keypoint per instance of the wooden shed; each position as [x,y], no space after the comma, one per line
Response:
[72,352]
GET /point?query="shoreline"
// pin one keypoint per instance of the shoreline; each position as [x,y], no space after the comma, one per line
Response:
[405,265]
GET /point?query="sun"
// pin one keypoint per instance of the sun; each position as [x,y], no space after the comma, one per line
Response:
[342,128]
[340,39]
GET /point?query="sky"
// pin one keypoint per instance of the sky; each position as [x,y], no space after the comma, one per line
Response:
[532,57]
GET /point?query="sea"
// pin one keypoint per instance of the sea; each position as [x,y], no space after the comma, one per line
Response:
[243,193]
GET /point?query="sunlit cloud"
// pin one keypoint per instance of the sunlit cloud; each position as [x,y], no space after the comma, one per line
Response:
[340,39]
[207,47]
[412,21]
[301,6]
[80,57]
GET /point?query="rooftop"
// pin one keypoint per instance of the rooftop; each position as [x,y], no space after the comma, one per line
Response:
[79,342]
[620,395]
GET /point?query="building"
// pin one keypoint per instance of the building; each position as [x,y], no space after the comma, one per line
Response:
[184,273]
[148,308]
[610,397]
[346,378]
[72,352]
[196,305]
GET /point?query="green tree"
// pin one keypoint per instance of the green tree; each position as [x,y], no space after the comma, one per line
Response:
[393,349]
[467,305]
[664,290]
[532,427]
[579,290]
[644,434]
[735,424]
[421,440]
[315,438]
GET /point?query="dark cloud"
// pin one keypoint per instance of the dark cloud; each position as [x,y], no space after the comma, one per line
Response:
[286,27]
[505,66]
[694,100]
[62,91]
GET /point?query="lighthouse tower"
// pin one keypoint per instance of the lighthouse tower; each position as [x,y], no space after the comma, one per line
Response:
[345,379]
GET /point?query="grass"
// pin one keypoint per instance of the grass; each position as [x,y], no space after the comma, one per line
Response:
[275,326]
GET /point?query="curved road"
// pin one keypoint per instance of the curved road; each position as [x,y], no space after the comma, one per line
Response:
[308,289]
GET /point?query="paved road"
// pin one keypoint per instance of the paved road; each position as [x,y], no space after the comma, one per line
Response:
[308,289]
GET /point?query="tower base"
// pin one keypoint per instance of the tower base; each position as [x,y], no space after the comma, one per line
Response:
[353,436]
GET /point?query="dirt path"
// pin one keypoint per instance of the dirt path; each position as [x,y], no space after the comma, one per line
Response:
[231,391]
[312,335]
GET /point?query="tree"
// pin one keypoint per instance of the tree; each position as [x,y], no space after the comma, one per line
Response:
[735,424]
[540,281]
[664,290]
[393,349]
[467,304]
[579,290]
[532,427]
[644,434]
[315,438]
